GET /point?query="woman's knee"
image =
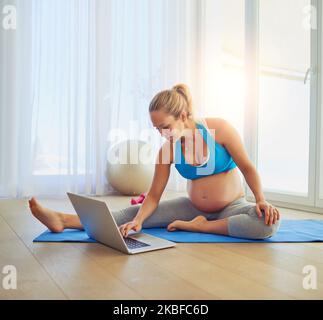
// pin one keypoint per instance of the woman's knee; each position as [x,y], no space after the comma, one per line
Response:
[169,210]
[264,230]
[126,214]
[160,216]
[268,231]
[249,225]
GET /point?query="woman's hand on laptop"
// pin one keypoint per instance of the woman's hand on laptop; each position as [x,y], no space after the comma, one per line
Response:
[135,225]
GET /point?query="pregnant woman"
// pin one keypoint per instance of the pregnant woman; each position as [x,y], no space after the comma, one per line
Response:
[207,152]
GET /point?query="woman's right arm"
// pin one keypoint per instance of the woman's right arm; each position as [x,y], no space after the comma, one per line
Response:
[160,179]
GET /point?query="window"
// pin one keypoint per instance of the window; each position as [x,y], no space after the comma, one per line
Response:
[283,40]
[284,98]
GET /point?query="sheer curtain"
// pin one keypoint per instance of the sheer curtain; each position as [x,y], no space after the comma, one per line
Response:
[73,71]
[15,97]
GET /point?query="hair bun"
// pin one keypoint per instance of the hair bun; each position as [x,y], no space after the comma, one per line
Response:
[181,88]
[184,90]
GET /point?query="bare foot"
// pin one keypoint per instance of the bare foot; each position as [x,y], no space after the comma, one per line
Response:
[51,219]
[193,225]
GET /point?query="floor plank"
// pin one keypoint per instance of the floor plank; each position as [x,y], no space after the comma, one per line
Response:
[151,280]
[254,262]
[74,272]
[206,274]
[79,276]
[33,282]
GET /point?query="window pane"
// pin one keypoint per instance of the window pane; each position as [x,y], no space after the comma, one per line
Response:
[284,99]
[222,67]
[224,61]
[321,137]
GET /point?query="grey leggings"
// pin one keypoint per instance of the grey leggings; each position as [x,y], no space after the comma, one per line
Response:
[243,221]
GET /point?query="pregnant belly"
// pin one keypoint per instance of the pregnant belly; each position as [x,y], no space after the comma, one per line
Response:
[213,193]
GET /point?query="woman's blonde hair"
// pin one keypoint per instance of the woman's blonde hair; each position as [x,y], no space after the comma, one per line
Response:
[173,101]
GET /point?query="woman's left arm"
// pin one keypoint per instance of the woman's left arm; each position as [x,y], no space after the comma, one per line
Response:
[253,179]
[233,143]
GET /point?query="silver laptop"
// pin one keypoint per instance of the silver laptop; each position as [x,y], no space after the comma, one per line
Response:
[100,225]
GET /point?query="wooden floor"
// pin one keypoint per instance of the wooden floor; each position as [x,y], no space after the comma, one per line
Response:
[188,271]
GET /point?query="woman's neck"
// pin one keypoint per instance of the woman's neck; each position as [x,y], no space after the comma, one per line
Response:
[189,125]
[189,130]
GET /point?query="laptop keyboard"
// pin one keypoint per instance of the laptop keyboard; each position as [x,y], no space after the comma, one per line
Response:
[134,244]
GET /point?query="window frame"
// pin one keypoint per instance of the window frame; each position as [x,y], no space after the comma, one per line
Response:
[284,199]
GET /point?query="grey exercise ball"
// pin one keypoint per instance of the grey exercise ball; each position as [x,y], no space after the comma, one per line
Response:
[130,167]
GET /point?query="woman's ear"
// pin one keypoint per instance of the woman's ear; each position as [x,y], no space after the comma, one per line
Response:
[183,116]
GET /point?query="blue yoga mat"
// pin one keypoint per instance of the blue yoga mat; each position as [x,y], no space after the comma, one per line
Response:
[308,230]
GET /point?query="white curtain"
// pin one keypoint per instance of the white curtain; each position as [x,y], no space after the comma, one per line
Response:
[73,71]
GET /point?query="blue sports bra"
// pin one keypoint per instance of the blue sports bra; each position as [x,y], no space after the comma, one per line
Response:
[219,159]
